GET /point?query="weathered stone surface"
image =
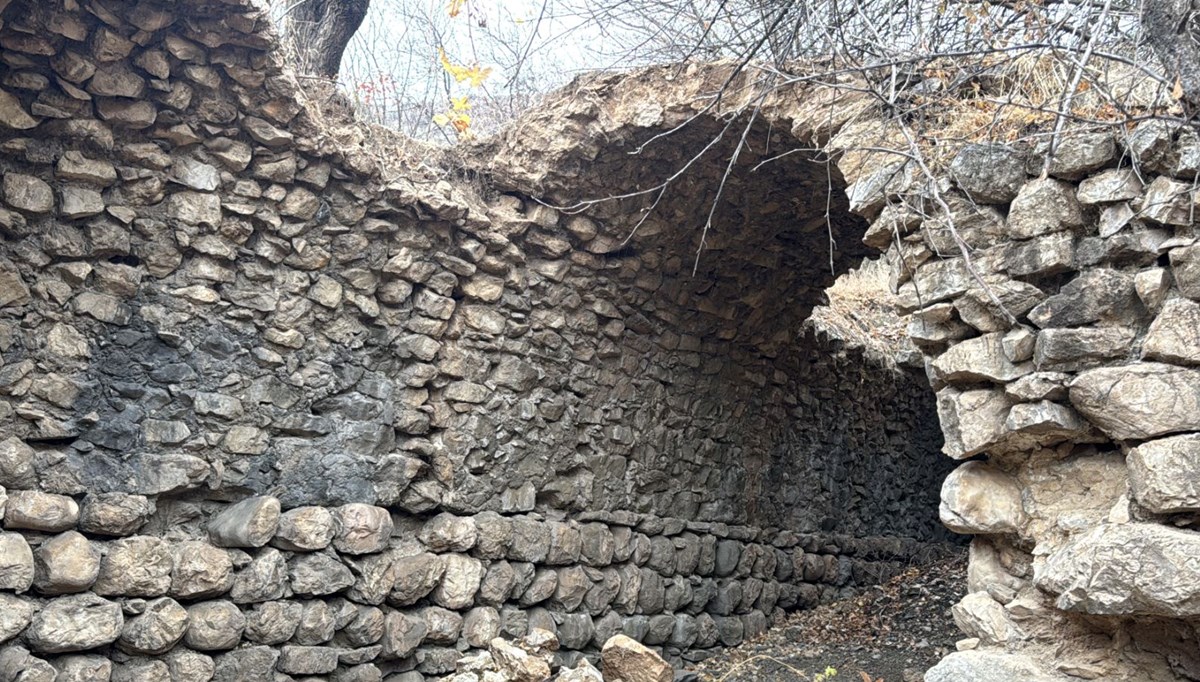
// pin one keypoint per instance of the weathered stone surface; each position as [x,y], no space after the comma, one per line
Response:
[979,359]
[625,659]
[449,533]
[516,664]
[990,174]
[988,666]
[1167,202]
[362,528]
[114,513]
[1071,350]
[138,566]
[978,498]
[1174,336]
[156,629]
[318,574]
[34,510]
[15,615]
[200,571]
[75,623]
[972,420]
[1096,295]
[1164,474]
[307,660]
[1126,569]
[402,634]
[305,529]
[16,563]
[460,582]
[27,193]
[214,625]
[1078,153]
[1042,207]
[416,576]
[1139,401]
[65,563]
[249,523]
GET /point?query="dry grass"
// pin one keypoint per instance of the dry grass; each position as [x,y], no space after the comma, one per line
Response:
[861,312]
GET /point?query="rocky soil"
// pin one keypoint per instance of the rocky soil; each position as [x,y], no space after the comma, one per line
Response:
[892,632]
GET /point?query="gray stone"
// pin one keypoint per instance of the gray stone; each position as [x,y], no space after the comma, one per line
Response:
[403,633]
[1072,350]
[307,660]
[988,666]
[15,615]
[249,523]
[623,658]
[34,510]
[65,563]
[979,359]
[74,623]
[1139,401]
[318,574]
[80,668]
[449,533]
[1164,474]
[27,194]
[978,498]
[972,421]
[1110,186]
[16,563]
[1174,336]
[990,174]
[305,529]
[362,528]
[156,629]
[1043,207]
[1130,569]
[1095,295]
[460,582]
[200,571]
[1167,202]
[264,579]
[1076,154]
[416,576]
[272,622]
[214,625]
[16,463]
[1039,386]
[138,566]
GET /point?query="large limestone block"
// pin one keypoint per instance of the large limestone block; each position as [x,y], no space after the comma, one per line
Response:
[460,582]
[625,660]
[16,563]
[1042,207]
[139,566]
[1139,401]
[449,533]
[989,173]
[972,421]
[65,563]
[75,623]
[305,529]
[34,510]
[214,625]
[200,571]
[1072,350]
[979,498]
[1129,569]
[15,613]
[362,528]
[1174,335]
[156,629]
[979,359]
[1164,474]
[978,615]
[249,523]
[989,666]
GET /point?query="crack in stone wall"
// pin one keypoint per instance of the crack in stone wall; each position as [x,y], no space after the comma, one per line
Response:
[268,410]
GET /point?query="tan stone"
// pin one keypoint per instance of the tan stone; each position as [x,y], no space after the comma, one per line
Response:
[625,660]
[65,563]
[978,498]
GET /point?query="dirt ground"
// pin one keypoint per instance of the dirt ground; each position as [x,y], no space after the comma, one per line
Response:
[893,632]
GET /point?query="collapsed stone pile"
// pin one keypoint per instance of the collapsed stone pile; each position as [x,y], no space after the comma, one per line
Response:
[1064,355]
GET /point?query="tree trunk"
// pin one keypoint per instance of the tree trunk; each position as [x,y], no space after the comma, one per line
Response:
[1173,31]
[319,31]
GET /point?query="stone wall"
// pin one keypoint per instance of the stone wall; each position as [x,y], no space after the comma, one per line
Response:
[267,403]
[1064,357]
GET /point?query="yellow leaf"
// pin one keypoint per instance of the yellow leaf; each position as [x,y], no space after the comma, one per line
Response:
[455,7]
[474,74]
[461,122]
[441,119]
[459,103]
[1177,91]
[477,75]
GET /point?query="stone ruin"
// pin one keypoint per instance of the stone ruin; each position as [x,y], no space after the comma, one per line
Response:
[278,402]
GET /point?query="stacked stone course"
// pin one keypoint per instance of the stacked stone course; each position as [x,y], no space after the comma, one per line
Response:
[1064,358]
